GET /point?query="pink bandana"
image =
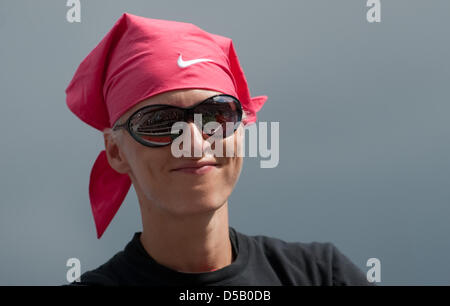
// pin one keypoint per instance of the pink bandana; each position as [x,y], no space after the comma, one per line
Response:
[139,58]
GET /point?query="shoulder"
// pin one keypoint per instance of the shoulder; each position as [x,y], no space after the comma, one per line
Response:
[119,269]
[315,263]
[106,274]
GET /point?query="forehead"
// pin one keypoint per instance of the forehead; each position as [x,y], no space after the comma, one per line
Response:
[181,98]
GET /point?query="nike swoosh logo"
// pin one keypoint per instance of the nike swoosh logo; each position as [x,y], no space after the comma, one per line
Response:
[184,64]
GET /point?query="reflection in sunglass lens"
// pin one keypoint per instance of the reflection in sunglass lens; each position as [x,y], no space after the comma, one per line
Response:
[219,112]
[155,125]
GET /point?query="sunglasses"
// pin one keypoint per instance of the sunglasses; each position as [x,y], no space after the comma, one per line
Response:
[152,125]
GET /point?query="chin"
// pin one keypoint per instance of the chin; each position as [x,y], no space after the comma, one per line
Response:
[191,205]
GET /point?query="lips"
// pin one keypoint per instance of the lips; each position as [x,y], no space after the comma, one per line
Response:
[196,167]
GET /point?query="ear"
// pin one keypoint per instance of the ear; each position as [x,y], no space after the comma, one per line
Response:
[114,154]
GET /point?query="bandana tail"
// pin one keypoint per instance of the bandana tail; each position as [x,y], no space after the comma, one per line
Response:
[107,190]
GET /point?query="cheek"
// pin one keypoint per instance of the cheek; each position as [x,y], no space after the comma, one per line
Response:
[149,169]
[231,172]
[232,163]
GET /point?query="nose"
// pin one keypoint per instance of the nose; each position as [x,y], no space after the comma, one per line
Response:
[199,145]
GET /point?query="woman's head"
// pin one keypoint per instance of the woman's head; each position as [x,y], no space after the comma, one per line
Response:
[152,170]
[143,61]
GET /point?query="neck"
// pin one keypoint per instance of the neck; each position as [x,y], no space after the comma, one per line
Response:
[193,244]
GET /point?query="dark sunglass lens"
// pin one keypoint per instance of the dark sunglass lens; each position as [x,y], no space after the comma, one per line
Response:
[222,110]
[155,125]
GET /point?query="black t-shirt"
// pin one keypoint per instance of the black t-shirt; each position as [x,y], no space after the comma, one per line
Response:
[257,261]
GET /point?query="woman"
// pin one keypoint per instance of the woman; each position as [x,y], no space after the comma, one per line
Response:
[145,75]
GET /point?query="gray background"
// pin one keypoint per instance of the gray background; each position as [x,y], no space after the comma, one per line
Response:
[364,120]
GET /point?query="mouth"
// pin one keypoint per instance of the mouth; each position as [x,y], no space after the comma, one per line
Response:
[198,169]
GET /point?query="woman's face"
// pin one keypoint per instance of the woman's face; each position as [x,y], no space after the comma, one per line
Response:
[152,169]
